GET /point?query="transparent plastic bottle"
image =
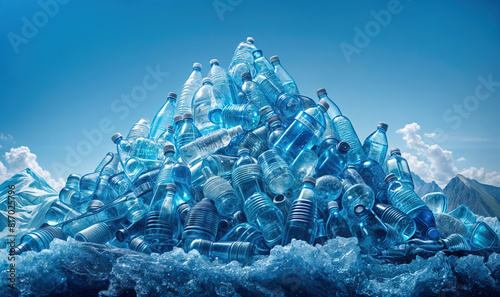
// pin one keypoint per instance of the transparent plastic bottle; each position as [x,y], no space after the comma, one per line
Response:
[288,83]
[208,144]
[125,148]
[303,133]
[373,235]
[98,233]
[181,175]
[187,131]
[59,212]
[336,225]
[222,81]
[345,131]
[119,184]
[266,74]
[192,84]
[139,245]
[283,203]
[164,117]
[454,242]
[483,236]
[130,229]
[255,141]
[165,175]
[356,194]
[333,160]
[242,61]
[246,115]
[275,129]
[220,165]
[334,110]
[144,184]
[202,223]
[253,92]
[401,222]
[321,235]
[247,232]
[169,134]
[464,214]
[328,188]
[71,192]
[247,177]
[375,145]
[374,176]
[207,107]
[261,211]
[301,220]
[303,166]
[158,232]
[278,176]
[228,251]
[222,193]
[399,166]
[39,239]
[139,130]
[437,202]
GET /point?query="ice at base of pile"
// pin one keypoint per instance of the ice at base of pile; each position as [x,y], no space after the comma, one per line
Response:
[299,269]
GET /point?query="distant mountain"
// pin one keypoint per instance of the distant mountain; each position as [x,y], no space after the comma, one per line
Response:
[483,200]
[33,197]
[422,187]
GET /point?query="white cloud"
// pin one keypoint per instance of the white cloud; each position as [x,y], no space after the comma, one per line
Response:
[18,159]
[433,163]
[461,159]
[7,137]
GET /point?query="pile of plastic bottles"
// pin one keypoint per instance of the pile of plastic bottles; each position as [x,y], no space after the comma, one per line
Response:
[241,162]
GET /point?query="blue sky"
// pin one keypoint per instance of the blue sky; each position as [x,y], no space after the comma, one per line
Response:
[417,63]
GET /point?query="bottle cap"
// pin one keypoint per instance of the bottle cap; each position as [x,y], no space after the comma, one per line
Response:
[206,80]
[178,118]
[168,148]
[170,128]
[214,61]
[250,40]
[433,233]
[280,198]
[243,150]
[188,115]
[321,92]
[383,125]
[265,110]
[343,147]
[197,66]
[273,118]
[224,225]
[115,137]
[172,95]
[274,59]
[323,103]
[395,151]
[171,187]
[390,177]
[121,235]
[309,179]
[246,76]
[359,209]
[333,204]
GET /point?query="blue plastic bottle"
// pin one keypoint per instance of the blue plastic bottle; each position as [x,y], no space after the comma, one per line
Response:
[345,131]
[247,177]
[437,202]
[253,92]
[222,81]
[275,130]
[375,145]
[246,115]
[139,130]
[71,192]
[374,176]
[202,223]
[242,61]
[399,166]
[187,131]
[164,117]
[182,179]
[261,211]
[356,194]
[401,222]
[464,214]
[247,232]
[288,83]
[373,235]
[333,160]
[334,110]
[228,251]
[192,84]
[222,193]
[165,175]
[279,178]
[207,107]
[336,225]
[39,239]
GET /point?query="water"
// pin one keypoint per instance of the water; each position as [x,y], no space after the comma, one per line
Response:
[253,92]
[375,145]
[192,84]
[333,160]
[288,83]
[207,107]
[222,82]
[374,176]
[222,193]
[345,131]
[247,176]
[437,202]
[164,117]
[277,174]
[304,131]
[261,212]
[399,166]
[246,115]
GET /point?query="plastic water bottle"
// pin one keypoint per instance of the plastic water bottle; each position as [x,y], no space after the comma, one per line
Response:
[181,175]
[375,145]
[169,134]
[124,148]
[139,245]
[164,117]
[303,133]
[303,166]
[261,211]
[192,84]
[119,184]
[246,232]
[242,61]
[345,131]
[220,165]
[373,235]
[187,131]
[301,220]
[246,115]
[279,178]
[401,222]
[228,251]
[253,92]
[59,212]
[275,129]
[454,242]
[208,144]
[336,225]
[158,232]
[399,166]
[165,175]
[464,214]
[101,190]
[71,192]
[222,81]
[285,78]
[483,236]
[207,107]
[374,176]
[333,160]
[403,198]
[321,235]
[334,110]
[222,193]
[247,177]
[355,194]
[202,223]
[98,233]
[130,230]
[437,202]
[255,141]
[139,130]
[266,73]
[39,239]
[144,184]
